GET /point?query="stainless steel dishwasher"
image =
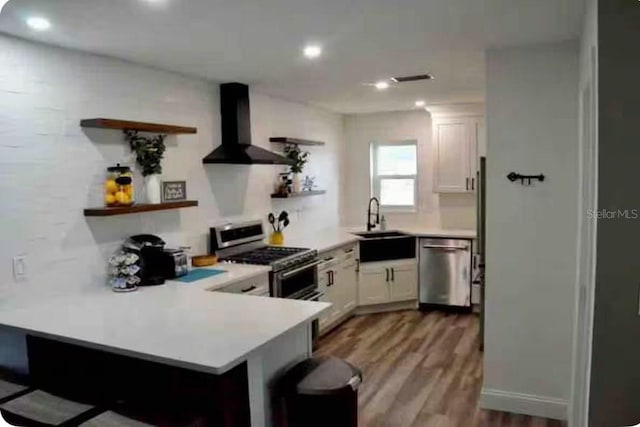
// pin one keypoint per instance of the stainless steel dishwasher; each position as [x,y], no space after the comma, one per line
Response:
[445,273]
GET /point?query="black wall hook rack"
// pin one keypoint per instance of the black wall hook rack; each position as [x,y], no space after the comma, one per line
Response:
[516,176]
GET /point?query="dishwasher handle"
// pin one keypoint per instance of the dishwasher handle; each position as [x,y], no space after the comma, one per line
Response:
[446,248]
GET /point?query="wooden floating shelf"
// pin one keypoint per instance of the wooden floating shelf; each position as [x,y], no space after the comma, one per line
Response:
[296,141]
[300,194]
[139,208]
[136,126]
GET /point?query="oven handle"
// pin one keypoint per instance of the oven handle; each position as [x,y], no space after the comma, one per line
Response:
[312,296]
[298,270]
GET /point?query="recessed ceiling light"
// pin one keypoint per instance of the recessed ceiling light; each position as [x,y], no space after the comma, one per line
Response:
[157,2]
[382,85]
[420,103]
[2,3]
[312,51]
[38,23]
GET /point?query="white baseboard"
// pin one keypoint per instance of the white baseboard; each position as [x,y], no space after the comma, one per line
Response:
[527,404]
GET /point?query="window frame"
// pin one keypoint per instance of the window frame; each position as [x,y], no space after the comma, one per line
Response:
[375,179]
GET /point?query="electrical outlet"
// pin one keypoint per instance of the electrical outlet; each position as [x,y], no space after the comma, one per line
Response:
[20,267]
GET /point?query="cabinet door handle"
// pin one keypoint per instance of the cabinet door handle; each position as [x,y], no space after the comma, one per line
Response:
[329,278]
[467,183]
[333,279]
[473,183]
[393,274]
[387,270]
[445,247]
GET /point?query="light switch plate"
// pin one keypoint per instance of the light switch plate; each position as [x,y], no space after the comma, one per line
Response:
[20,267]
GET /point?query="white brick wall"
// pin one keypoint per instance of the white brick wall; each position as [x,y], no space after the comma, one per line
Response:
[50,168]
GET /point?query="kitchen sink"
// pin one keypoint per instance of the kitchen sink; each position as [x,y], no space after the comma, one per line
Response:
[386,246]
[380,234]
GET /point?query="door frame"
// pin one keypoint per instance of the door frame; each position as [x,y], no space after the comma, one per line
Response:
[587,239]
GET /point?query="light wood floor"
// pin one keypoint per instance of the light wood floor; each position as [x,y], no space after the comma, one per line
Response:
[420,370]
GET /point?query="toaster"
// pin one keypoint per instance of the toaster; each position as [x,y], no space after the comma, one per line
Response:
[175,263]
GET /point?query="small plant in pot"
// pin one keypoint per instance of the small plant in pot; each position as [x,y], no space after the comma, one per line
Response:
[149,153]
[299,159]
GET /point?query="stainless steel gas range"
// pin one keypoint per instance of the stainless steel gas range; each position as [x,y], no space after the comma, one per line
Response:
[294,271]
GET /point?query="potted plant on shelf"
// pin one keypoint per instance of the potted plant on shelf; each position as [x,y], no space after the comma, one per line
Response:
[299,158]
[149,153]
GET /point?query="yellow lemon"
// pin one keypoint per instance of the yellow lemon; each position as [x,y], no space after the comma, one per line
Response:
[110,186]
[129,190]
[122,198]
[109,199]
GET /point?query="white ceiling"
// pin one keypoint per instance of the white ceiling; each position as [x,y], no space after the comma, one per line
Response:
[260,41]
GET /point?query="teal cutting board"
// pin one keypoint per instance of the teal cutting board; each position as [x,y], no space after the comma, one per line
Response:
[199,274]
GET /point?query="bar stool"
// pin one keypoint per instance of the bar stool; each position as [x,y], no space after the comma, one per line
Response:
[113,419]
[9,390]
[38,408]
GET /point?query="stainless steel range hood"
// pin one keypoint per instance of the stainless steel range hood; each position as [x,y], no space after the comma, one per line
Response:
[236,145]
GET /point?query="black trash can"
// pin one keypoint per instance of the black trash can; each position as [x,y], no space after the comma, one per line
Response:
[321,392]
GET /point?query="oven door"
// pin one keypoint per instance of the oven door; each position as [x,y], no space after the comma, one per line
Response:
[297,281]
[315,325]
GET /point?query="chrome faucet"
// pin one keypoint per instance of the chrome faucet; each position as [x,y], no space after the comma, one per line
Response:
[370,225]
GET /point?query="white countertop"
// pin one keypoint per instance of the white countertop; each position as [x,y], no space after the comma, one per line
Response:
[455,233]
[177,324]
[322,241]
[233,273]
[329,239]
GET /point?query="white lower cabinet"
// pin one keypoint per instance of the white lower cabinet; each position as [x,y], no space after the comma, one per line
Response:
[348,289]
[338,279]
[389,281]
[373,286]
[404,282]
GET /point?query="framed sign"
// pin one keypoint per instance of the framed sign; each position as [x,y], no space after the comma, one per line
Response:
[174,191]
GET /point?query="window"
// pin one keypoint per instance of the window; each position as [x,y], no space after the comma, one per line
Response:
[394,168]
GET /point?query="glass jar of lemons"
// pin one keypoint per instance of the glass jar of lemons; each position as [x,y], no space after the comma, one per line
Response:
[118,187]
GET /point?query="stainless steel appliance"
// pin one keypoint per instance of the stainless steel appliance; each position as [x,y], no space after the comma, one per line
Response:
[445,273]
[174,263]
[294,271]
[481,240]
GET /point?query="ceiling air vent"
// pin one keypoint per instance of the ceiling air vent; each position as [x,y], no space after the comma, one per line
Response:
[406,79]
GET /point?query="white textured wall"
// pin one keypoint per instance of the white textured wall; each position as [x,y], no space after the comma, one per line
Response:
[446,210]
[532,119]
[50,168]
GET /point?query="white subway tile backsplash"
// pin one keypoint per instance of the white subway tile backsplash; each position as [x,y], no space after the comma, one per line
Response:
[50,168]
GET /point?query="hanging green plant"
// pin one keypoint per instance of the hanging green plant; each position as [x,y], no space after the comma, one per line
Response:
[297,156]
[149,152]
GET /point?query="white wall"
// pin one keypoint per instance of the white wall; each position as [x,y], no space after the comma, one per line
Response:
[532,119]
[50,168]
[437,210]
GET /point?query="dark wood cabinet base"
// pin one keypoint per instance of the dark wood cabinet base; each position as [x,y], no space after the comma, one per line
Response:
[151,392]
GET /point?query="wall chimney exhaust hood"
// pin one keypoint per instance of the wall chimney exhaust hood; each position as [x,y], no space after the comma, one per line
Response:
[236,145]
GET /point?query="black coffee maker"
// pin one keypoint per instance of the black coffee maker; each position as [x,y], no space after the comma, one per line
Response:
[150,249]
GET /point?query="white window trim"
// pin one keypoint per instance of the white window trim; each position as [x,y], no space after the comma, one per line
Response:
[375,179]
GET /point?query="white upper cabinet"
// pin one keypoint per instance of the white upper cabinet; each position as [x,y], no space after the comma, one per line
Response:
[456,150]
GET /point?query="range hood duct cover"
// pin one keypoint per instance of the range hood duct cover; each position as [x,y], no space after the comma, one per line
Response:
[236,145]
